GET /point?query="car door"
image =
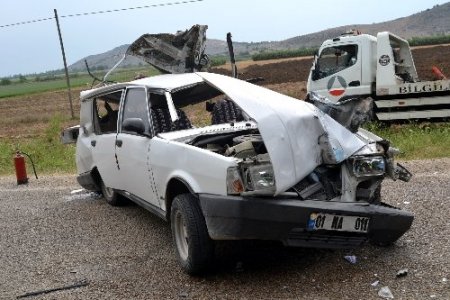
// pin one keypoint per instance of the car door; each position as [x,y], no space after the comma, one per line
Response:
[132,148]
[102,141]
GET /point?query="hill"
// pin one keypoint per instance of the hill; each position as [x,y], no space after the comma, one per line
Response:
[432,21]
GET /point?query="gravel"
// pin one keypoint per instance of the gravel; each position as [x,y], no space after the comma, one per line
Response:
[51,238]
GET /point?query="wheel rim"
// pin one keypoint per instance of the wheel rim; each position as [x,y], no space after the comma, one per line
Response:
[181,236]
[109,192]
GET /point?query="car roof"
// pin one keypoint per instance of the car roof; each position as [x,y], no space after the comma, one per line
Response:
[167,82]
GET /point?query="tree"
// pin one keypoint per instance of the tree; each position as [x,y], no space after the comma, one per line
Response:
[5,81]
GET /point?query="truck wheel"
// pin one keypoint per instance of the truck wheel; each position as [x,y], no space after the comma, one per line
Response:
[194,247]
[110,195]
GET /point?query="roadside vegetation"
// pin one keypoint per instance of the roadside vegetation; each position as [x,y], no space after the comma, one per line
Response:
[46,150]
[216,61]
[416,140]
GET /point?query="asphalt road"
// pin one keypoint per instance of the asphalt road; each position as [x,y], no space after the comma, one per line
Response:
[51,238]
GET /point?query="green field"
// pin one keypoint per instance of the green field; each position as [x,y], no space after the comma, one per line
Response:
[31,85]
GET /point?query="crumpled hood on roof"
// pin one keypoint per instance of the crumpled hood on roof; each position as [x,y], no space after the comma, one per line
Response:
[298,136]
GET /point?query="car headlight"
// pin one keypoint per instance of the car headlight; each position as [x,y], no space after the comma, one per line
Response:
[368,166]
[234,181]
[259,177]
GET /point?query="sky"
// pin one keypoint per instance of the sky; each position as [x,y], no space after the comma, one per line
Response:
[35,47]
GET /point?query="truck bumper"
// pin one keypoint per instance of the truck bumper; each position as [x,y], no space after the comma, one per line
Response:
[286,220]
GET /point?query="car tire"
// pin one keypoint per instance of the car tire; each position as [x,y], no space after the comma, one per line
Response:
[194,247]
[110,195]
[226,111]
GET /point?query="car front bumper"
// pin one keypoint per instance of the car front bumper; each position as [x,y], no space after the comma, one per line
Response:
[286,220]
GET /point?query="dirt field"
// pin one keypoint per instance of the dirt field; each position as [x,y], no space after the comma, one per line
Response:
[27,116]
[297,69]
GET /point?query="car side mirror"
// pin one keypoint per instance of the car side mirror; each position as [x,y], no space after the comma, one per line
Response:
[135,125]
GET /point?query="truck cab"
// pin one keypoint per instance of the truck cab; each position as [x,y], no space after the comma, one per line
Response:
[342,68]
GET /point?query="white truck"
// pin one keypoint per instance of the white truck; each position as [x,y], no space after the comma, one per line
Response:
[357,65]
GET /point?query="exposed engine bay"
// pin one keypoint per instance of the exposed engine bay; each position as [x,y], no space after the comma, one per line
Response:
[356,179]
[240,144]
[248,147]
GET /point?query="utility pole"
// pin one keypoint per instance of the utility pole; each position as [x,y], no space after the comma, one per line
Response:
[65,63]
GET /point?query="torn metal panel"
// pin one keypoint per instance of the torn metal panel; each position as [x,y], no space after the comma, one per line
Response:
[182,52]
[350,113]
[298,136]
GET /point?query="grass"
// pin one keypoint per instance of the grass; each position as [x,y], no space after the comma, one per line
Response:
[416,140]
[47,152]
[31,86]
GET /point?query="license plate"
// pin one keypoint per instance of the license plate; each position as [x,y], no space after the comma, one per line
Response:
[321,221]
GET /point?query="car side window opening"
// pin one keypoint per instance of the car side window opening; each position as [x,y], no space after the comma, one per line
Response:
[190,103]
[335,59]
[194,100]
[135,106]
[106,112]
[160,115]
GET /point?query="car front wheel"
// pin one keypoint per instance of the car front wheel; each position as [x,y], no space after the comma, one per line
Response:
[194,247]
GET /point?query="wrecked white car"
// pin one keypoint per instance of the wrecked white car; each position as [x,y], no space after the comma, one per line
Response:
[266,167]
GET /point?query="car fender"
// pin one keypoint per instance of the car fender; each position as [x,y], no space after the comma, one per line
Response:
[204,171]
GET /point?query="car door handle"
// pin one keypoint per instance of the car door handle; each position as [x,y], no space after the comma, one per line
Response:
[93,143]
[355,83]
[119,143]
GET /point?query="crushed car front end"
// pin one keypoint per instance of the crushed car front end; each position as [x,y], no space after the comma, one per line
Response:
[302,178]
[335,206]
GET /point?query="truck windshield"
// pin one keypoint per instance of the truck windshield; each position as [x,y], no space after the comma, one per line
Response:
[335,59]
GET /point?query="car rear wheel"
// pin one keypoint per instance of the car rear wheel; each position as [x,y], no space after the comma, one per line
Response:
[194,247]
[110,195]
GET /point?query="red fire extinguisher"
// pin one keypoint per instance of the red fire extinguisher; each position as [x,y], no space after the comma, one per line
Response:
[21,170]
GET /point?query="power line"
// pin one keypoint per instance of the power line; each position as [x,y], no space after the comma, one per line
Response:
[27,22]
[102,12]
